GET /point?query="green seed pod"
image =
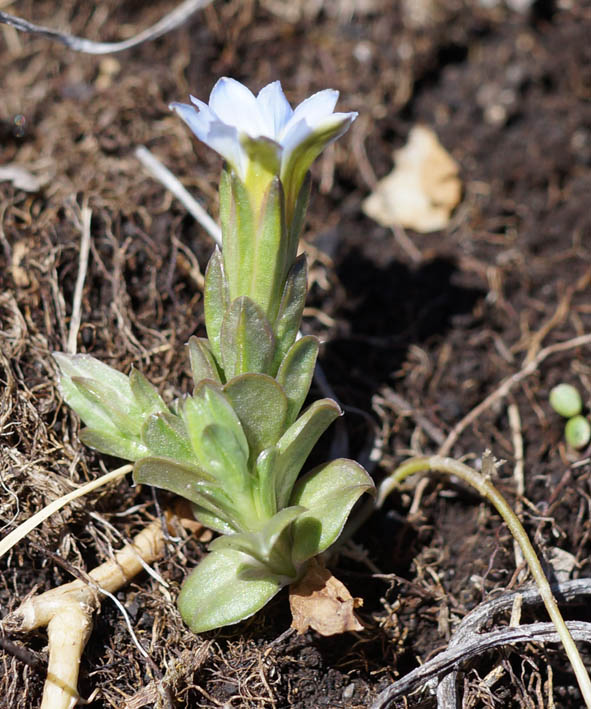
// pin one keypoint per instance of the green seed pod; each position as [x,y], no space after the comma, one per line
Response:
[577,432]
[566,400]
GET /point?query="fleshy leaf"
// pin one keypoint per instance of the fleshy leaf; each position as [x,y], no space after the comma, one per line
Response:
[218,592]
[215,300]
[113,444]
[165,436]
[261,407]
[83,365]
[265,545]
[123,414]
[329,493]
[203,364]
[207,406]
[296,372]
[291,308]
[297,442]
[247,341]
[208,519]
[225,457]
[189,482]
[145,394]
[265,487]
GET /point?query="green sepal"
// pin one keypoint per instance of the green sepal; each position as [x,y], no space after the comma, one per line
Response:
[165,436]
[295,445]
[247,341]
[289,316]
[299,215]
[266,545]
[113,444]
[190,482]
[203,364]
[329,493]
[145,394]
[261,406]
[296,372]
[215,300]
[219,591]
[238,234]
[264,283]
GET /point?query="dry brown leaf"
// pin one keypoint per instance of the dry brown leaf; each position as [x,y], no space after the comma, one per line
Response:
[184,513]
[321,602]
[422,190]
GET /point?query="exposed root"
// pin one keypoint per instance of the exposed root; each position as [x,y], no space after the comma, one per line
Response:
[67,613]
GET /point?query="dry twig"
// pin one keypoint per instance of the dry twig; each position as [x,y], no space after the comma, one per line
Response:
[168,23]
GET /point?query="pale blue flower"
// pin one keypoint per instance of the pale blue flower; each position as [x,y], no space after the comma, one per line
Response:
[263,134]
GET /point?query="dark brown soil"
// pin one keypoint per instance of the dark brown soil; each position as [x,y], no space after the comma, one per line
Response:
[508,95]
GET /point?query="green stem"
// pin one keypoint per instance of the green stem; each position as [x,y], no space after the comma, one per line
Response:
[484,486]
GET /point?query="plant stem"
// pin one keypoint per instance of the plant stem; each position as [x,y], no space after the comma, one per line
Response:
[484,486]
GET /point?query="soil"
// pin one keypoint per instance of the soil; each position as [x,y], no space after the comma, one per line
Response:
[415,338]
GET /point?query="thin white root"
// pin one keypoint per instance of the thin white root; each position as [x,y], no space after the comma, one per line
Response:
[67,613]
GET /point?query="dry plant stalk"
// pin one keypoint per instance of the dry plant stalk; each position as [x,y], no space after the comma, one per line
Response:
[67,613]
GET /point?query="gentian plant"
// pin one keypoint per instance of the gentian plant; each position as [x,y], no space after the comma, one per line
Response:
[235,447]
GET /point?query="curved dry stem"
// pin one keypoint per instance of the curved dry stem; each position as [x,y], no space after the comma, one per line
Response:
[485,487]
[28,525]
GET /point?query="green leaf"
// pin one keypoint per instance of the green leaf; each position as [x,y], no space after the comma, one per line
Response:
[247,341]
[289,316]
[208,519]
[203,364]
[82,365]
[207,406]
[113,444]
[265,486]
[189,482]
[165,436]
[217,593]
[266,545]
[124,415]
[225,457]
[296,372]
[145,394]
[329,493]
[93,414]
[261,407]
[297,442]
[215,300]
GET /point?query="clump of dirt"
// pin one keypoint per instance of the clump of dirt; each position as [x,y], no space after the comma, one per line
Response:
[415,338]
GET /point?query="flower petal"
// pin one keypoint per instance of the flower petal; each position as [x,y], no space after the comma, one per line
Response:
[236,106]
[275,109]
[217,135]
[302,145]
[314,108]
